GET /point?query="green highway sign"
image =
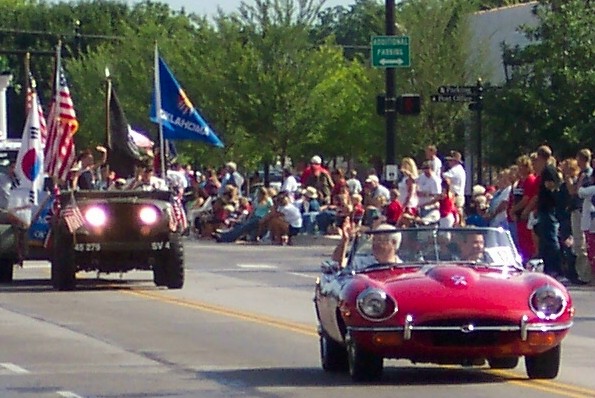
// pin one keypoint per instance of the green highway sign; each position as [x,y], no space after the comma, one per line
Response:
[390,52]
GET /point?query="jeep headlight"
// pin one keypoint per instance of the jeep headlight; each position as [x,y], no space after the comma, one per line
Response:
[375,305]
[547,302]
[148,215]
[96,216]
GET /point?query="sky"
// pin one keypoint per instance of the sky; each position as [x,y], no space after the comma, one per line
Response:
[209,7]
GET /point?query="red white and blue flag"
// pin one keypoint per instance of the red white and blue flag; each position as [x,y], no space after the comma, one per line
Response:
[31,97]
[29,166]
[62,125]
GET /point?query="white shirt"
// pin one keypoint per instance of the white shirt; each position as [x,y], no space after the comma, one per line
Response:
[355,186]
[428,186]
[177,179]
[292,215]
[155,184]
[290,185]
[437,166]
[458,179]
[587,219]
[381,190]
[404,193]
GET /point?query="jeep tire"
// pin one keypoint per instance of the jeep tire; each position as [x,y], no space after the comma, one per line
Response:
[6,270]
[174,263]
[63,265]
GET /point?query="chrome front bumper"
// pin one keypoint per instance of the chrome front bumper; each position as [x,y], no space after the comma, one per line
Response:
[523,328]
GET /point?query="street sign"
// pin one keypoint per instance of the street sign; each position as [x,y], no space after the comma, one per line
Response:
[390,52]
[457,90]
[452,98]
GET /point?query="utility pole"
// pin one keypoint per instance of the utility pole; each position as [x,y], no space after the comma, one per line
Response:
[390,102]
[479,107]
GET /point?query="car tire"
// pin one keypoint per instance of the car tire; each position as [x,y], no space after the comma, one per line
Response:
[333,356]
[503,363]
[174,269]
[363,366]
[63,265]
[6,271]
[545,365]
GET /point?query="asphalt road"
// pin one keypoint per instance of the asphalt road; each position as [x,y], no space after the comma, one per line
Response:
[243,325]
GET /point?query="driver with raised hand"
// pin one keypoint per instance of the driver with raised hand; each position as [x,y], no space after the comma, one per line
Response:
[384,246]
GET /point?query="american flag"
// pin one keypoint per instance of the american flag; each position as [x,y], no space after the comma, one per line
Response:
[72,216]
[59,151]
[31,92]
[179,214]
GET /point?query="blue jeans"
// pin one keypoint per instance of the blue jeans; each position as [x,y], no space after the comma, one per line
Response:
[247,227]
[549,245]
[325,219]
[309,222]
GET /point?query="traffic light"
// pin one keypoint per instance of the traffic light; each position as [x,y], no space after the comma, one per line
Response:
[380,104]
[409,104]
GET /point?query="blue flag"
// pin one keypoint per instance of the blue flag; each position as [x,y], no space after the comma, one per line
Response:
[180,119]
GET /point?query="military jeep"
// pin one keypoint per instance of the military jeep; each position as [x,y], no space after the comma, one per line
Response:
[116,231]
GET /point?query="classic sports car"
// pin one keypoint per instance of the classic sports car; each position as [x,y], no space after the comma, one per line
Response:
[451,296]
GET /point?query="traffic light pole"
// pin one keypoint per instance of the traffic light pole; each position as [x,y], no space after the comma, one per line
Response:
[391,114]
[479,132]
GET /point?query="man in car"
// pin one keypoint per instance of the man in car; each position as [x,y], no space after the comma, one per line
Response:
[472,247]
[384,246]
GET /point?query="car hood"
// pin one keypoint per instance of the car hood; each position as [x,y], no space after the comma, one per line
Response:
[459,290]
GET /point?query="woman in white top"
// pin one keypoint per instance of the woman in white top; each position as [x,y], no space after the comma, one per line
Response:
[407,186]
[497,215]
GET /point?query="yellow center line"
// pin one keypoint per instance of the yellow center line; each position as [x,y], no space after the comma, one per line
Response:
[557,388]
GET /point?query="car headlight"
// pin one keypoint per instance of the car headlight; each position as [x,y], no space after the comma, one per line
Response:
[547,302]
[95,216]
[375,305]
[148,215]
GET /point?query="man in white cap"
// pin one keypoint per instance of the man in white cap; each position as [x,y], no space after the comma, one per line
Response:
[376,189]
[315,164]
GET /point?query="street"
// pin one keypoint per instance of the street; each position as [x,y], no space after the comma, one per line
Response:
[243,325]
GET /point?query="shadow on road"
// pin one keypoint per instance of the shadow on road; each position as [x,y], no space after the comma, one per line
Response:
[83,284]
[314,377]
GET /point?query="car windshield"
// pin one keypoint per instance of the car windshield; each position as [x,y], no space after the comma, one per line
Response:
[481,247]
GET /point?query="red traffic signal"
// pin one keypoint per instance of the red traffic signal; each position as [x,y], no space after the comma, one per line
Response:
[409,104]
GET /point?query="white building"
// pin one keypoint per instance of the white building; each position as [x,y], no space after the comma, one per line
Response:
[489,29]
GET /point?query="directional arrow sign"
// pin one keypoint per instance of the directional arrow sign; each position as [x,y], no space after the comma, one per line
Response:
[390,52]
[452,98]
[457,90]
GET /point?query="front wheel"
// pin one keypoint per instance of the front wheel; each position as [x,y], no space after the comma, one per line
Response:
[333,356]
[63,264]
[6,271]
[173,272]
[363,366]
[545,365]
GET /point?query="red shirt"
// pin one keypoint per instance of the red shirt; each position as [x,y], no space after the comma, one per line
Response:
[393,212]
[447,206]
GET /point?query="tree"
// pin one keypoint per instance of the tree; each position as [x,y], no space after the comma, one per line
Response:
[550,97]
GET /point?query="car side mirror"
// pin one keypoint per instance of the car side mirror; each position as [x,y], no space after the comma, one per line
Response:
[534,265]
[329,267]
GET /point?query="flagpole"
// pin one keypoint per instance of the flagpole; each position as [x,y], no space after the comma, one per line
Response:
[27,78]
[158,111]
[108,96]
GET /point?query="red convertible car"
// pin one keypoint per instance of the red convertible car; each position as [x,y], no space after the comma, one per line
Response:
[448,296]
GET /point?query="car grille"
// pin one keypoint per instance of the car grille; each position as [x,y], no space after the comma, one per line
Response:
[462,336]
